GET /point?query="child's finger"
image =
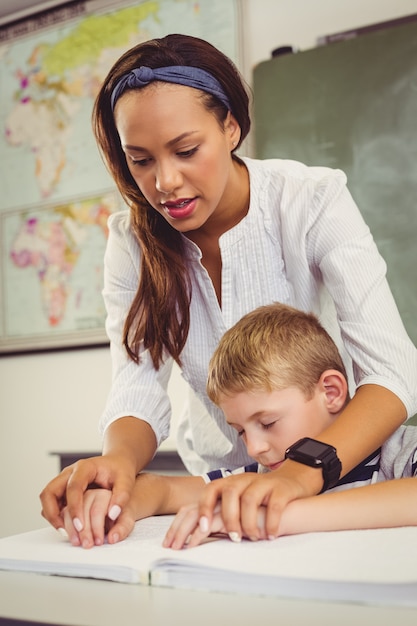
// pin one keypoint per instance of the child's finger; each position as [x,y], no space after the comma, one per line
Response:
[184,523]
[97,519]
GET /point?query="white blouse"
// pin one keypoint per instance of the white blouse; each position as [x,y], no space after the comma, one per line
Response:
[304,243]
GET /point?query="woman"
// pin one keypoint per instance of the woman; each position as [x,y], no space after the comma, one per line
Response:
[208,237]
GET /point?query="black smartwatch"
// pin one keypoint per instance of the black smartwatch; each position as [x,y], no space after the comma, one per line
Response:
[317,454]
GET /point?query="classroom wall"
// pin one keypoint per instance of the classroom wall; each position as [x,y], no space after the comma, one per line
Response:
[52,401]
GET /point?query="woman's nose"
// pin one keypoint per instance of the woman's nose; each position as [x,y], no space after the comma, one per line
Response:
[167,179]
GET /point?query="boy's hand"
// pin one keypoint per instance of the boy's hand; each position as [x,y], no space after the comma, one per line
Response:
[185,531]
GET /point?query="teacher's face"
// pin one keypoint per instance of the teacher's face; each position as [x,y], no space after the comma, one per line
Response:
[178,154]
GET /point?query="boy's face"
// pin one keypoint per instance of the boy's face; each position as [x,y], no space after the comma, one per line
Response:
[270,422]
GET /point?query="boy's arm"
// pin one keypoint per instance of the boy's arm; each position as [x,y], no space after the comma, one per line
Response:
[387,504]
[154,494]
[382,505]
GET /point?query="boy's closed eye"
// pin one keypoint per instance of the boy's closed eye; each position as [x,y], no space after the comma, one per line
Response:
[267,426]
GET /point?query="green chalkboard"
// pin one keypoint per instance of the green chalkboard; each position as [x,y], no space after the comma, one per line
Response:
[353,105]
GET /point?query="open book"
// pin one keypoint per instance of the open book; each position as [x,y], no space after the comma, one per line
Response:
[368,566]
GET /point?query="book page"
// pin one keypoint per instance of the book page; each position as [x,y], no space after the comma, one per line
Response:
[372,566]
[46,551]
[376,567]
[377,556]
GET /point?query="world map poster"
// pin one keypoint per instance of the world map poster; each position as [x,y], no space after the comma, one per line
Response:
[56,194]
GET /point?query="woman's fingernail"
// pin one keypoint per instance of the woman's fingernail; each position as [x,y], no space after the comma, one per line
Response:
[115,512]
[63,533]
[234,536]
[77,524]
[203,524]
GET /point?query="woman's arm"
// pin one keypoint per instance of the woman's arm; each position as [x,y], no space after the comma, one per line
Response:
[130,438]
[369,419]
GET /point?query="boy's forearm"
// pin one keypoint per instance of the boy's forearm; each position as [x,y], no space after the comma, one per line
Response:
[156,494]
[382,505]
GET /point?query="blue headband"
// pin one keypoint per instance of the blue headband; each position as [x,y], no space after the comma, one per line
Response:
[179,74]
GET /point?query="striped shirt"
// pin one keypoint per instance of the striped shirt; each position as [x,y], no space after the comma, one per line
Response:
[303,242]
[396,459]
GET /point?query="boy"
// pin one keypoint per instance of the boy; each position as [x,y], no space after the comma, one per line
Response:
[278,377]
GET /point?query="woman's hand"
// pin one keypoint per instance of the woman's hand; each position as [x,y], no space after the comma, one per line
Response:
[97,524]
[241,497]
[129,445]
[111,472]
[185,531]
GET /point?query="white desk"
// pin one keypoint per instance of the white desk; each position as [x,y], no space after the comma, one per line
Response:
[80,602]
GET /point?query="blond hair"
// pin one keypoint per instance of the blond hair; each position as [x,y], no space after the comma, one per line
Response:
[272,348]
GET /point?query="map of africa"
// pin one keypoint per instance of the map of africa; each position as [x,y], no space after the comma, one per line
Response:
[56,195]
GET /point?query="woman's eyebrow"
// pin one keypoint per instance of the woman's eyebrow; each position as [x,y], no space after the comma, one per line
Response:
[180,137]
[170,143]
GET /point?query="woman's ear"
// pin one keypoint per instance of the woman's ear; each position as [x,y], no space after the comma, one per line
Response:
[232,130]
[335,388]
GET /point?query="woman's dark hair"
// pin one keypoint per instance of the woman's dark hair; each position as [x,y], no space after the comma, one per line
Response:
[159,315]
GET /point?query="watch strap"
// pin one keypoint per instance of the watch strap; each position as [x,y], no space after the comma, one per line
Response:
[331,470]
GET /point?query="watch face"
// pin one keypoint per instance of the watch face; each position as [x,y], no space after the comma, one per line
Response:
[317,454]
[312,447]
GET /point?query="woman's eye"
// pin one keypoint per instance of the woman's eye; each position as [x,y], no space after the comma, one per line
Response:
[188,153]
[268,426]
[140,162]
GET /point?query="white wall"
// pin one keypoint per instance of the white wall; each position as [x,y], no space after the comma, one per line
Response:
[52,401]
[273,23]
